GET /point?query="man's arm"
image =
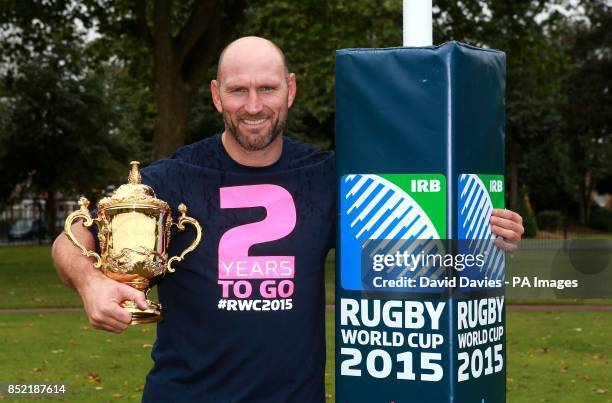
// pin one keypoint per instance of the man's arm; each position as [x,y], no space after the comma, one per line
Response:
[101,296]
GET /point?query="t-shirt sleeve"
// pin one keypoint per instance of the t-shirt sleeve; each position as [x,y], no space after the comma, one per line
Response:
[159,177]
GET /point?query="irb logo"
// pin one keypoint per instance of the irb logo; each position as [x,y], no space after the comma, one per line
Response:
[496,186]
[424,185]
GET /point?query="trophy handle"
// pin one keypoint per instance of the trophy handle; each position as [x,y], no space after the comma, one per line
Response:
[183,219]
[82,212]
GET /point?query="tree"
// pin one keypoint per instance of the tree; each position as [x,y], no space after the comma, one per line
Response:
[180,40]
[588,106]
[62,134]
[310,32]
[168,45]
[163,52]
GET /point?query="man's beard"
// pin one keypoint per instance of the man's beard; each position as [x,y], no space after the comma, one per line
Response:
[258,144]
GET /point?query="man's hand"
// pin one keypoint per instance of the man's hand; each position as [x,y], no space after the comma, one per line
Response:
[508,226]
[101,298]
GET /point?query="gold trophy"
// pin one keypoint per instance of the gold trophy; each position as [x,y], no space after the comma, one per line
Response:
[134,233]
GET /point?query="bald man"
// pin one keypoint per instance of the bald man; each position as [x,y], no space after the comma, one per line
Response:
[244,313]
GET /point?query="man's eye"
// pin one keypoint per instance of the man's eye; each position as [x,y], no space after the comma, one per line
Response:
[239,90]
[267,89]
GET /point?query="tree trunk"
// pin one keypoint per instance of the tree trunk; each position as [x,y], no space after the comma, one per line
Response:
[182,62]
[173,100]
[585,198]
[172,96]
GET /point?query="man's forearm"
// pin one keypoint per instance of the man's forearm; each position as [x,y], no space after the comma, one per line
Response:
[74,269]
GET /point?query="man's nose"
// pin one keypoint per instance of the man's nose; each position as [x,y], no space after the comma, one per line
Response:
[253,105]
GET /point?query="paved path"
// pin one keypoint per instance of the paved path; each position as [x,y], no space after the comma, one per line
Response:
[39,310]
[511,308]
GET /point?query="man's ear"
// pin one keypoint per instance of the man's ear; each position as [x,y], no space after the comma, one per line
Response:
[291,89]
[216,97]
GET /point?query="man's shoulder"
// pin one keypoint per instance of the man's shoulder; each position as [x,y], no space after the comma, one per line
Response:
[202,152]
[295,145]
[301,154]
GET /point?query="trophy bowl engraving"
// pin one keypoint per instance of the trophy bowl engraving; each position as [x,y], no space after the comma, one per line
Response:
[136,242]
[134,233]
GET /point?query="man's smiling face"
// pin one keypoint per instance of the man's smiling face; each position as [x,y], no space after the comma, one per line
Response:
[253,91]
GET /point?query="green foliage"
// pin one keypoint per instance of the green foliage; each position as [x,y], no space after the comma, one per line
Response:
[62,133]
[526,211]
[133,111]
[204,121]
[36,28]
[546,170]
[67,120]
[601,218]
[550,220]
[588,103]
[310,32]
[558,70]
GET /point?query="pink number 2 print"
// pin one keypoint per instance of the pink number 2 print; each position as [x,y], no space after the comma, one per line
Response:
[234,259]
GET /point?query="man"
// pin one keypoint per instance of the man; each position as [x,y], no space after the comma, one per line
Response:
[244,313]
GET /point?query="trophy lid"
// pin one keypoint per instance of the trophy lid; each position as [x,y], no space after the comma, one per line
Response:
[133,192]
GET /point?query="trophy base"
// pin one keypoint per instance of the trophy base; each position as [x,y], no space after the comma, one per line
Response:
[152,314]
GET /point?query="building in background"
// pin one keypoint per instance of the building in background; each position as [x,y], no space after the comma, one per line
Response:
[24,219]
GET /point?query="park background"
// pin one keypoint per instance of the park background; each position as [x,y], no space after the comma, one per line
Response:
[87,86]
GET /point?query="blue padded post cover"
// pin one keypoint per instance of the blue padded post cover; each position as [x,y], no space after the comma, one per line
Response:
[420,163]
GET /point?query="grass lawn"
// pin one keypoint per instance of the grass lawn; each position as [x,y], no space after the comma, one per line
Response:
[551,357]
[28,279]
[62,348]
[559,357]
[330,277]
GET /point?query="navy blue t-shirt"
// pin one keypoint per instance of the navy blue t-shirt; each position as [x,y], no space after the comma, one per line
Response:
[244,313]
